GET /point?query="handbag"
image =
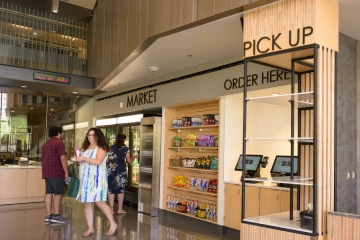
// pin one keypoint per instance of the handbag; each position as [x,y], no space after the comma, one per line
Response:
[74,183]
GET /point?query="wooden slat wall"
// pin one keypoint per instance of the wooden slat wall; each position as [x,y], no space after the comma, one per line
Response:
[343,227]
[118,27]
[294,15]
[260,233]
[325,136]
[287,15]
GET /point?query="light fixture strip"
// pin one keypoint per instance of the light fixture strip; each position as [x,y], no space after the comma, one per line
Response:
[105,122]
[130,119]
[68,127]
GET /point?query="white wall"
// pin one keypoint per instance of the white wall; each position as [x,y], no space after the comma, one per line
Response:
[264,120]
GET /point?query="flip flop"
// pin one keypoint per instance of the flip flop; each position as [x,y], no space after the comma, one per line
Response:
[112,230]
[87,233]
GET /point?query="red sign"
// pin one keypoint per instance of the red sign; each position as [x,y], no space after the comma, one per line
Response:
[48,77]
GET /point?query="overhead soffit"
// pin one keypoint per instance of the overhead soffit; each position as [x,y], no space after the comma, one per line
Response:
[183,50]
[88,4]
[206,42]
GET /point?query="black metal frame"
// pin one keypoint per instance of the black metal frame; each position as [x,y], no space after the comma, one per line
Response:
[293,62]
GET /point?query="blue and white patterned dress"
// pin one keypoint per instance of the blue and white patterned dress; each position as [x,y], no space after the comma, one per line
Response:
[93,179]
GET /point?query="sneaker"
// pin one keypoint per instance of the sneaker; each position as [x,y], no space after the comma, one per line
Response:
[58,219]
[48,218]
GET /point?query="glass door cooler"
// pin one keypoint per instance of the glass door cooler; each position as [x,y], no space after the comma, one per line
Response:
[132,133]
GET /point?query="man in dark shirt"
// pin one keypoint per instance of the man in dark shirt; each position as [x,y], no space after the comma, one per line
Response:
[55,172]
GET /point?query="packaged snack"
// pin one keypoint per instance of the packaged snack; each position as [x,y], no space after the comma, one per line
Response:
[192,183]
[207,162]
[198,184]
[212,186]
[214,163]
[203,185]
[183,207]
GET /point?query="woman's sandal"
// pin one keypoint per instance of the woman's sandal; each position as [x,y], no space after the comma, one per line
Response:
[88,233]
[112,230]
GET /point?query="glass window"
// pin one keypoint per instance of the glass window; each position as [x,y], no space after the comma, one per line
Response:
[27,115]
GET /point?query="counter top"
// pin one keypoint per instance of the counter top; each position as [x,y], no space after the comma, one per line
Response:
[260,185]
[342,214]
[19,167]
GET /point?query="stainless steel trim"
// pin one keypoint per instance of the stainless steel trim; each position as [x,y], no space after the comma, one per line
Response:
[149,201]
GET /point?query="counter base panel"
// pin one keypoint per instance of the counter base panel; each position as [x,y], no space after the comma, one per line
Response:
[7,201]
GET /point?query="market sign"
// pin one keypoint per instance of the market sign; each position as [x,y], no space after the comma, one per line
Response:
[48,77]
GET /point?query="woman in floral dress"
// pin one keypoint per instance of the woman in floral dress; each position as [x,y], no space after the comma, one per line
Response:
[116,169]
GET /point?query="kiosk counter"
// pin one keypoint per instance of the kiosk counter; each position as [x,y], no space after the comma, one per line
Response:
[21,184]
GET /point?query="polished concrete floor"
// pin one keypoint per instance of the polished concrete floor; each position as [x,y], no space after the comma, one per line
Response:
[26,222]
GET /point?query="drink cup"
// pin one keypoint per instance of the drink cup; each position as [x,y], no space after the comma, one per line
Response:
[77,152]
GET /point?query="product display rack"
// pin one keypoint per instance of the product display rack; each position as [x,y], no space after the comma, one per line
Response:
[302,100]
[185,194]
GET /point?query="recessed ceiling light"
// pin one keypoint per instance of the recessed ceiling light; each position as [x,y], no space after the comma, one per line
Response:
[154,69]
[75,92]
[275,94]
[51,109]
[31,108]
[12,111]
[189,55]
[35,33]
[49,113]
[24,86]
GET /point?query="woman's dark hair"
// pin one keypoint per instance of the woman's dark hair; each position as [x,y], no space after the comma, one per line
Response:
[54,131]
[120,140]
[99,138]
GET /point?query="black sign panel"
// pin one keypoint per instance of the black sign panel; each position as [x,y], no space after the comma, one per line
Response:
[49,77]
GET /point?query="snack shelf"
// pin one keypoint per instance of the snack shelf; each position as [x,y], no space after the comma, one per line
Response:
[189,215]
[195,127]
[199,170]
[194,191]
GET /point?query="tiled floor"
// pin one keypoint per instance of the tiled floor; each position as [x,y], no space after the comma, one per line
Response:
[26,221]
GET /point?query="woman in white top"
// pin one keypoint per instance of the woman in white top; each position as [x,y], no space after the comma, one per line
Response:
[93,179]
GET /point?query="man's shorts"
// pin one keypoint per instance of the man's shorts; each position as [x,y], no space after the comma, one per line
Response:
[55,186]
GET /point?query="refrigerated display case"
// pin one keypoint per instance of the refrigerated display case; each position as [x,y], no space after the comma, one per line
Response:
[132,133]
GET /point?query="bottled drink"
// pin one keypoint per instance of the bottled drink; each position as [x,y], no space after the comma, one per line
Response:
[211,210]
[195,207]
[188,206]
[135,172]
[192,206]
[207,213]
[168,201]
[214,213]
[173,203]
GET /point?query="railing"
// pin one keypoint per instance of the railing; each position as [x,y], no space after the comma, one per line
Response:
[33,39]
